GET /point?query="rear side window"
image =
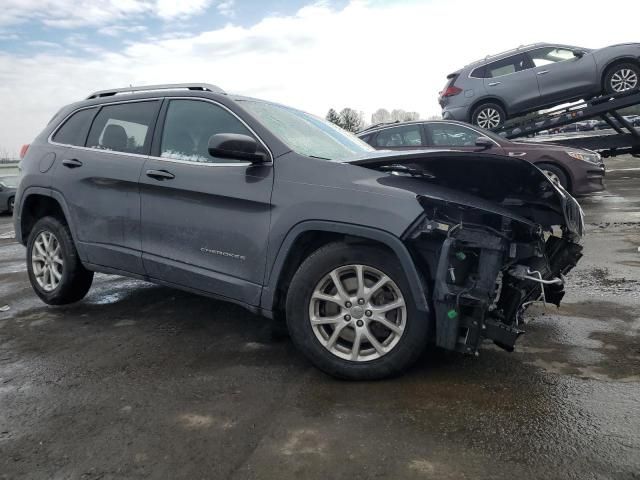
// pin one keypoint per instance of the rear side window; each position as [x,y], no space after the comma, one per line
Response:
[74,130]
[188,126]
[405,136]
[125,127]
[480,72]
[507,66]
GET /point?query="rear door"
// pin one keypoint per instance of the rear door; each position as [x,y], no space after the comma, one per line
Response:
[562,76]
[457,137]
[402,137]
[99,181]
[205,220]
[513,81]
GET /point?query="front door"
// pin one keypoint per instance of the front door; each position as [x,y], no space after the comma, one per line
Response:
[458,137]
[205,220]
[562,76]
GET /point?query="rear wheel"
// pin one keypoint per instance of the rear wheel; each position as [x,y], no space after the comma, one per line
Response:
[622,77]
[55,271]
[555,174]
[350,311]
[489,116]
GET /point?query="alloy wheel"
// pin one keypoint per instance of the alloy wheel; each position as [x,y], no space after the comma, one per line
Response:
[357,313]
[623,80]
[488,118]
[552,176]
[47,262]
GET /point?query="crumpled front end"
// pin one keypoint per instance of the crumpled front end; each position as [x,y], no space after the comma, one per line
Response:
[486,269]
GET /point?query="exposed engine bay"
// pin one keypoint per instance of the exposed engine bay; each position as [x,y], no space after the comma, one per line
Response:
[496,236]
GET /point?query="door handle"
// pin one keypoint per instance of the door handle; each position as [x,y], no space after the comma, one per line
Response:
[160,175]
[543,72]
[71,163]
[493,84]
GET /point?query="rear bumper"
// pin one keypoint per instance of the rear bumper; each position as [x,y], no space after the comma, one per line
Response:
[456,113]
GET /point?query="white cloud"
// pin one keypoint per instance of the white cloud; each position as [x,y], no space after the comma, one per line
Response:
[78,13]
[227,8]
[366,56]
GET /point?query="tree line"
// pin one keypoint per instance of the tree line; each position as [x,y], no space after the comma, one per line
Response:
[353,120]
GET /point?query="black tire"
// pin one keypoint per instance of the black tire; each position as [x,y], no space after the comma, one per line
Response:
[408,348]
[488,108]
[618,68]
[75,279]
[10,204]
[548,168]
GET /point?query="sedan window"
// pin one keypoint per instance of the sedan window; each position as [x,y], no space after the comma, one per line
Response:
[450,135]
[405,136]
[548,55]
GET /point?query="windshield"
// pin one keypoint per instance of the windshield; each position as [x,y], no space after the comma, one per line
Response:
[306,134]
[11,182]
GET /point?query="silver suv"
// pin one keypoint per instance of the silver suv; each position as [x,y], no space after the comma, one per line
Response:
[533,77]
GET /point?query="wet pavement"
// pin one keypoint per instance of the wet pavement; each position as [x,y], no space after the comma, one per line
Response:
[140,381]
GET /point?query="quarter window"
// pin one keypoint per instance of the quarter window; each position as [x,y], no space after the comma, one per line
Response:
[124,127]
[513,64]
[188,126]
[449,135]
[549,55]
[405,136]
[74,130]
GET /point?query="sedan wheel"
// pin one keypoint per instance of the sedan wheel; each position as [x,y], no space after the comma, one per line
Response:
[357,313]
[11,205]
[46,261]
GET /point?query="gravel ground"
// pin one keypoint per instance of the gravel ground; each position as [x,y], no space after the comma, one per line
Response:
[140,381]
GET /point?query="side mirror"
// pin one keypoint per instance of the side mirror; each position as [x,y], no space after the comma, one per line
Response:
[484,142]
[578,53]
[236,146]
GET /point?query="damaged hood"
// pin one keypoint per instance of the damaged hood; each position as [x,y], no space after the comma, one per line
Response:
[507,186]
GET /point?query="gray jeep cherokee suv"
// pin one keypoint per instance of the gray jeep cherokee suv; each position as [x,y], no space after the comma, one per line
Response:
[368,256]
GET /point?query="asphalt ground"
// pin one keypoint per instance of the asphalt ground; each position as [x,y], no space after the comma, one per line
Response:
[141,381]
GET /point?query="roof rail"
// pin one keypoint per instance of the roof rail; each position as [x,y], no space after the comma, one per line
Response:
[147,88]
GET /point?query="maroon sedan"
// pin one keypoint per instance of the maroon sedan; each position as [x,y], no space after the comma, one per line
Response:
[578,171]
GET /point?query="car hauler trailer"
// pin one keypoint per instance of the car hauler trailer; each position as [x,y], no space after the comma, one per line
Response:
[625,140]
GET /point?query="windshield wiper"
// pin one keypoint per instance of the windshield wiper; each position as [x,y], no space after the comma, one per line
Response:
[319,158]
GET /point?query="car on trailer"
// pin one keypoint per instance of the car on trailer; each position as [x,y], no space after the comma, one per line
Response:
[534,77]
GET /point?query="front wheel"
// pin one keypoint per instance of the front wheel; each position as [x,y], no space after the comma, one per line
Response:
[621,78]
[555,174]
[55,271]
[351,313]
[11,204]
[489,116]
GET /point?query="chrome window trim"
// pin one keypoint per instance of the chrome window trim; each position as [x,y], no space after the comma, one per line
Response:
[535,47]
[153,157]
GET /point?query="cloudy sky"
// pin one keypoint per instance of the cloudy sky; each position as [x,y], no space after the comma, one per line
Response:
[364,54]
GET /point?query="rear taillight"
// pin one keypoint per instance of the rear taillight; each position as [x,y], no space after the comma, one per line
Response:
[450,91]
[23,150]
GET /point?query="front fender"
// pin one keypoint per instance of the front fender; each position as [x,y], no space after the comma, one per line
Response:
[386,238]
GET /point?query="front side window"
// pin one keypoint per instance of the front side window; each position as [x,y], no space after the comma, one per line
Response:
[450,135]
[306,134]
[188,126]
[74,130]
[507,66]
[549,55]
[125,127]
[404,136]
